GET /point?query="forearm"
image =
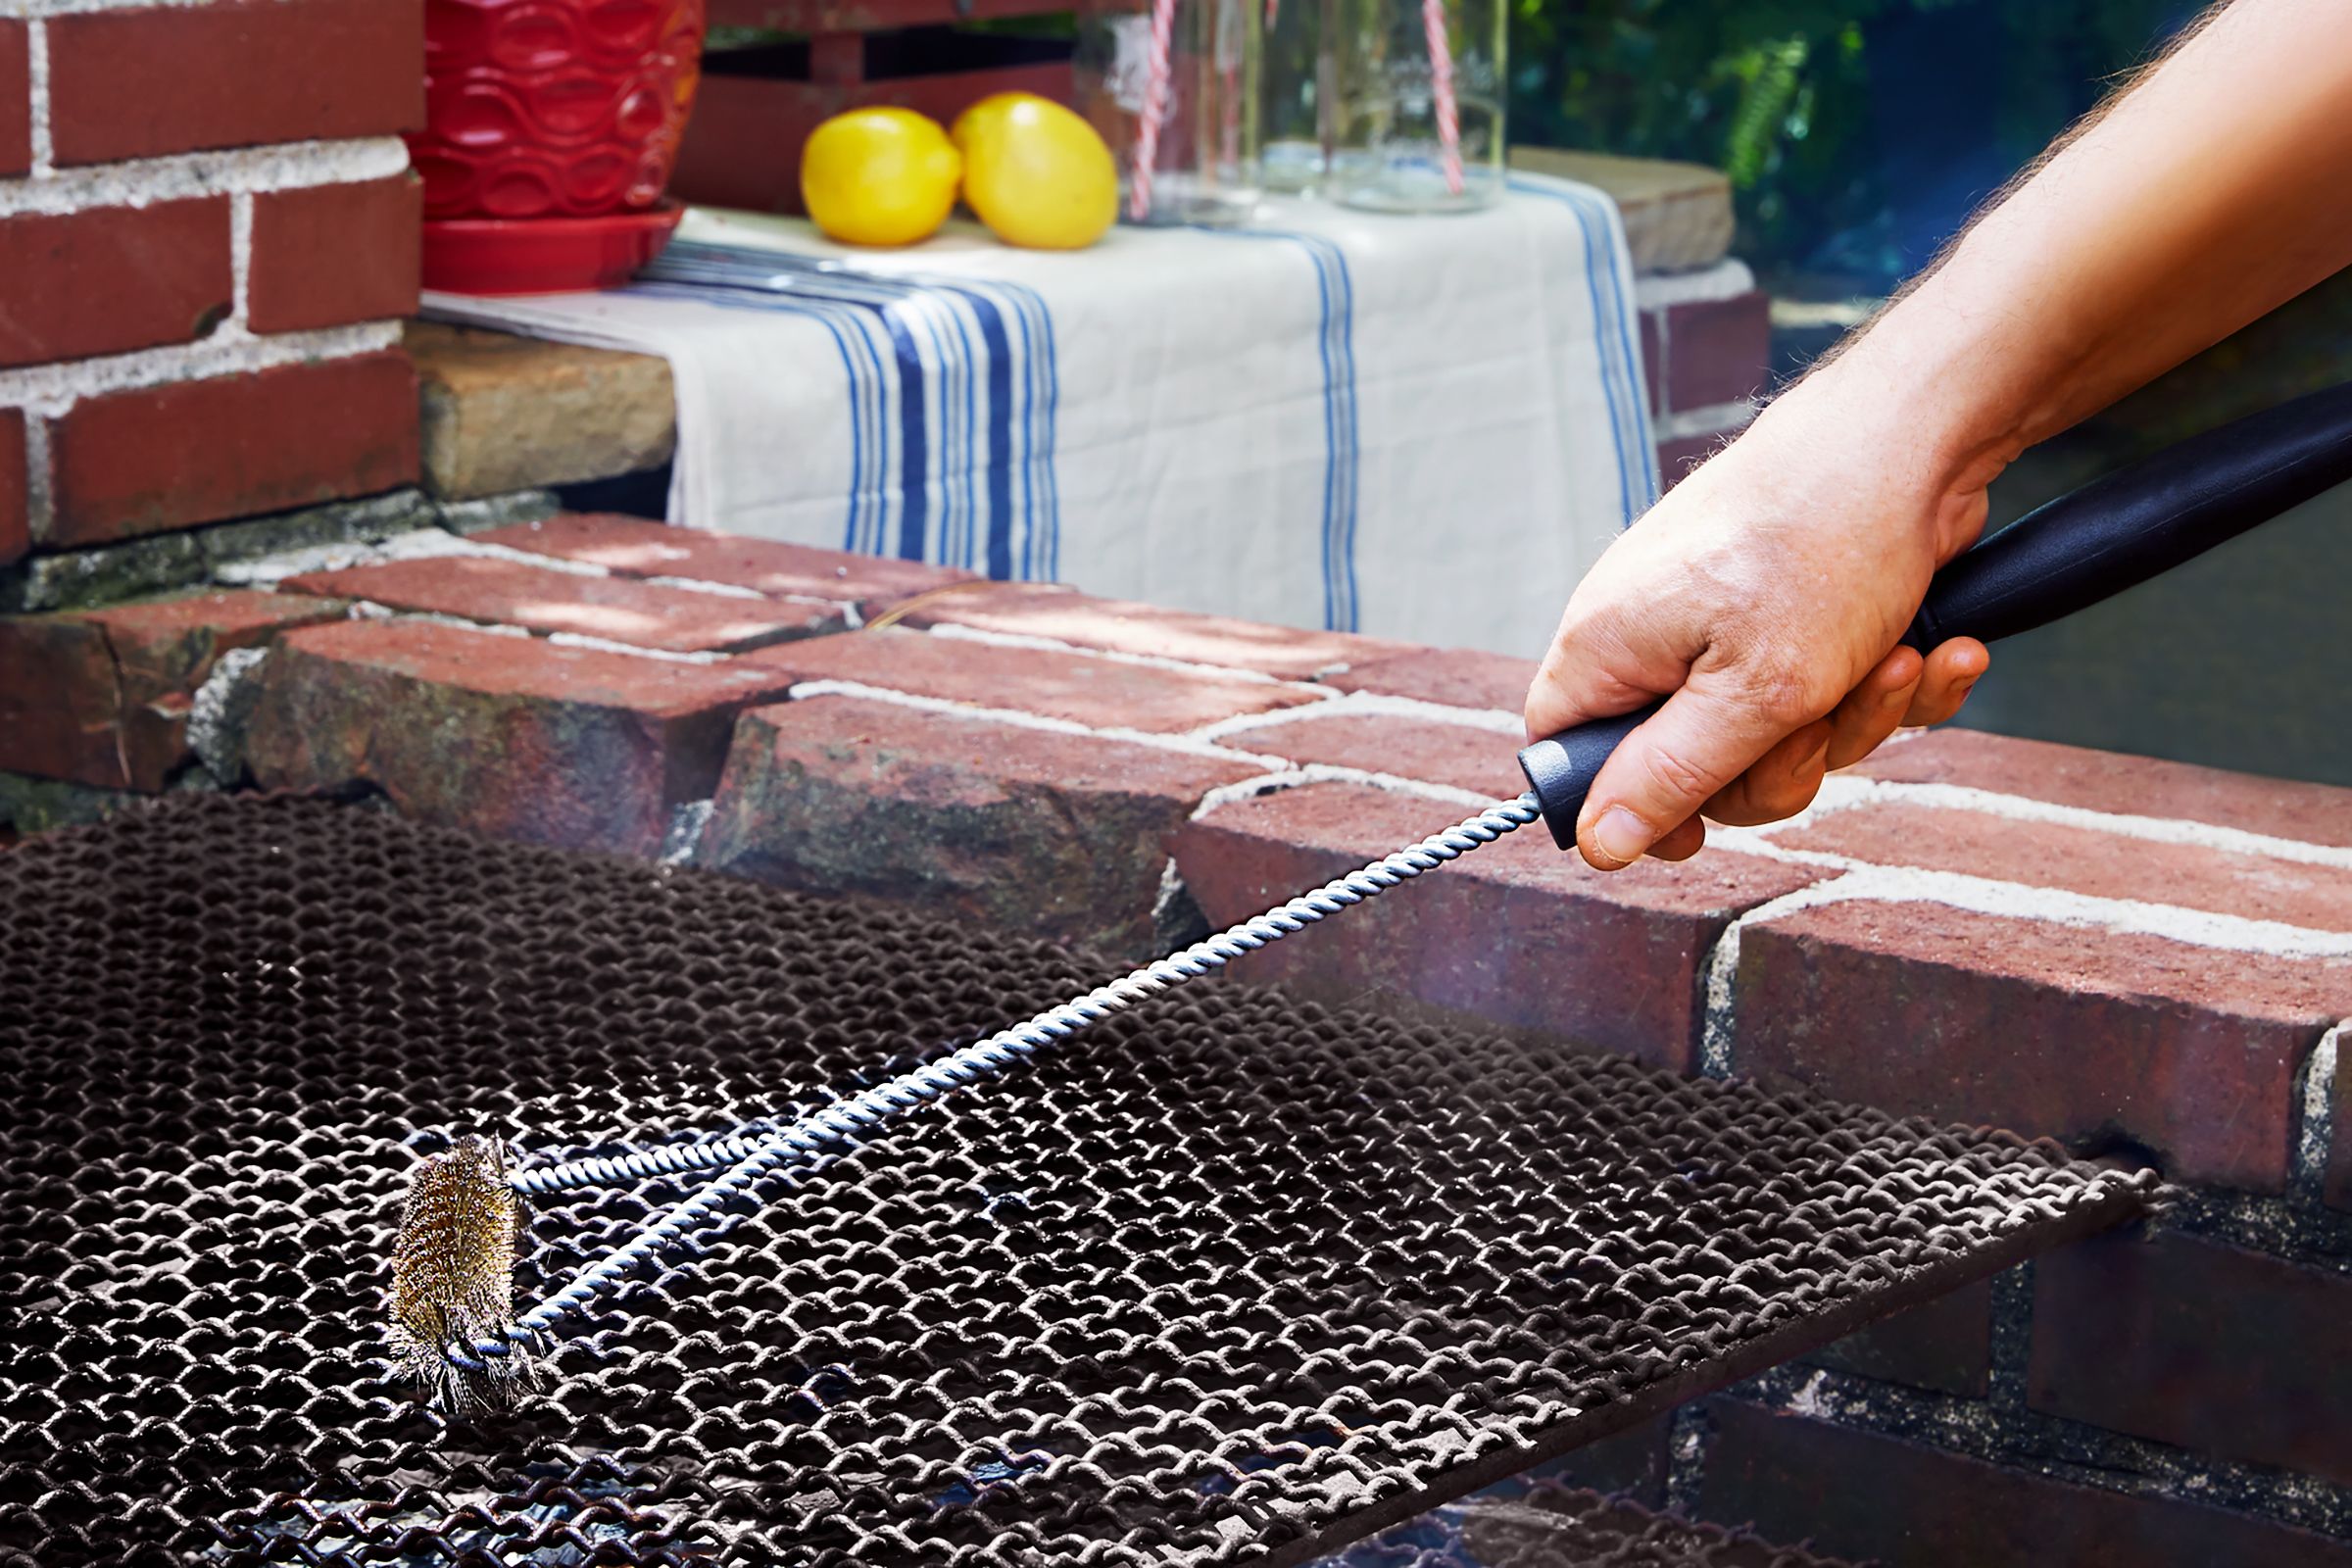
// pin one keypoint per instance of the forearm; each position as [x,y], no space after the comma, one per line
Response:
[2215,189]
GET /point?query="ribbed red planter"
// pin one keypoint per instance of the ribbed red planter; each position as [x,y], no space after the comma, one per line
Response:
[551,126]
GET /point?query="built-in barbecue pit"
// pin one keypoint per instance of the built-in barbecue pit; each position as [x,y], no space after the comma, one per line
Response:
[1230,1279]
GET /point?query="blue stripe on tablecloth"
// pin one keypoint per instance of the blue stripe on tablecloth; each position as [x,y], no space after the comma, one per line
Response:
[915,447]
[743,280]
[1336,340]
[892,300]
[1624,313]
[1612,329]
[862,529]
[730,275]
[998,345]
[1041,538]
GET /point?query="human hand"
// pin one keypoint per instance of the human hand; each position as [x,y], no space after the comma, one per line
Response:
[1766,593]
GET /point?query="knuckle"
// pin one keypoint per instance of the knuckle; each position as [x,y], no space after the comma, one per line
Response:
[1786,694]
[1678,777]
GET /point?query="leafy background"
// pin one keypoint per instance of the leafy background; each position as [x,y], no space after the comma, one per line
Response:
[1858,133]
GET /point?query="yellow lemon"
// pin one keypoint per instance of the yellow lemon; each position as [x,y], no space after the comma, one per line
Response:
[984,116]
[1036,174]
[879,176]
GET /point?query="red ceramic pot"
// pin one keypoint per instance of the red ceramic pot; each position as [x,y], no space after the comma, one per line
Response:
[551,115]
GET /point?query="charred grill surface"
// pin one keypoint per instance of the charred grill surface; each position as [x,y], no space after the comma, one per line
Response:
[1228,1279]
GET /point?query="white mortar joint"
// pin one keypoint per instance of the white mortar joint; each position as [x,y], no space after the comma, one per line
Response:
[183,177]
[37,71]
[1055,644]
[2315,1131]
[52,389]
[1843,792]
[1370,705]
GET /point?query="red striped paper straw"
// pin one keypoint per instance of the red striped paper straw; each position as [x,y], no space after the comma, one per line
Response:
[1156,109]
[1441,82]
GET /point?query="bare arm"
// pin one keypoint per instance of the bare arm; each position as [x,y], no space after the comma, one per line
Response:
[1766,593]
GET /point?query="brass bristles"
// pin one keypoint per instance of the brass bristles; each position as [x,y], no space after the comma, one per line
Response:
[453,1273]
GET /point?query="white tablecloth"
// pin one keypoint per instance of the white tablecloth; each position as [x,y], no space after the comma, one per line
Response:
[1422,428]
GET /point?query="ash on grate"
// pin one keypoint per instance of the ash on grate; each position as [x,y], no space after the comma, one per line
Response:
[1228,1279]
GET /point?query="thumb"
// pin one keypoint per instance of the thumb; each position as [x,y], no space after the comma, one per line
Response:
[1660,775]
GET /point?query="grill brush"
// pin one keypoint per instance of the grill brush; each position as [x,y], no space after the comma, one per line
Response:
[452,1294]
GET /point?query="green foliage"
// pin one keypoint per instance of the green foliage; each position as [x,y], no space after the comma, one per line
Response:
[1779,92]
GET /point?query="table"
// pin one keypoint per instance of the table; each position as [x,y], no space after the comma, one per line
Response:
[1422,428]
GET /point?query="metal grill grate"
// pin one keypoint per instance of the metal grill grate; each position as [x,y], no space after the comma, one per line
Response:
[1228,1279]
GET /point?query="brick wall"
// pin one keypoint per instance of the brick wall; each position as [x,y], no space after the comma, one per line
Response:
[2149,961]
[208,230]
[2146,961]
[1707,355]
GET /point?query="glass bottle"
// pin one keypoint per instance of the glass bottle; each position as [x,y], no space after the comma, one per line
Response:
[1420,119]
[1196,63]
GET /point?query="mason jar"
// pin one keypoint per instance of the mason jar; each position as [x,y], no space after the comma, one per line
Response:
[1173,87]
[1419,123]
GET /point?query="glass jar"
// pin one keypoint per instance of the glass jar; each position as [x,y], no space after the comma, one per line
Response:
[1173,87]
[1419,121]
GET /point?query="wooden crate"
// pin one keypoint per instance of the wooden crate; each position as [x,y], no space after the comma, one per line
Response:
[757,106]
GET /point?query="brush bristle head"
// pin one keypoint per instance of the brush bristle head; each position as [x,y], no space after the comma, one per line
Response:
[452,1273]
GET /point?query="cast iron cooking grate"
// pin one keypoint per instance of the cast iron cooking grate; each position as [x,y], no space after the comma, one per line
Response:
[1228,1279]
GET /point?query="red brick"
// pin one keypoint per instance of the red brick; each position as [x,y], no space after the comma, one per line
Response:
[336,254]
[166,457]
[16,510]
[234,74]
[2200,1345]
[636,548]
[1860,1494]
[1011,828]
[1458,677]
[1654,361]
[60,710]
[2130,786]
[101,696]
[1944,1344]
[112,278]
[1717,351]
[16,99]
[1455,754]
[617,610]
[2083,1035]
[1682,454]
[1122,626]
[511,736]
[1103,693]
[1517,933]
[2048,855]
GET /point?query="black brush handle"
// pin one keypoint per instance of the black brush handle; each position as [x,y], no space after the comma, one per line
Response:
[2088,545]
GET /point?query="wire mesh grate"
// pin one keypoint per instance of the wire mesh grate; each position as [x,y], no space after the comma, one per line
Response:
[1230,1279]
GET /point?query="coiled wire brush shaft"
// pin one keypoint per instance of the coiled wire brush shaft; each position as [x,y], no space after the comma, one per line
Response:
[748,1157]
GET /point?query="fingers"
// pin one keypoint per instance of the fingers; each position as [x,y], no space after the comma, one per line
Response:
[1682,841]
[1578,681]
[1952,670]
[1782,783]
[1875,709]
[1665,772]
[1701,734]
